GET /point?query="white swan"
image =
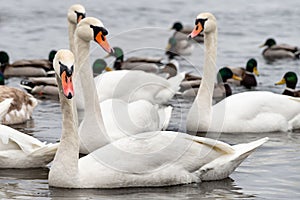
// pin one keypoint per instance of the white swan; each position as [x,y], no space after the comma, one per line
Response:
[117,116]
[18,150]
[244,112]
[149,159]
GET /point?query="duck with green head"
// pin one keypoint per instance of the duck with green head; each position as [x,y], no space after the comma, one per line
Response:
[247,74]
[21,68]
[222,88]
[274,51]
[290,79]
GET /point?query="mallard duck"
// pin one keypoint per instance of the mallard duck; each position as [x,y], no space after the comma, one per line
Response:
[21,107]
[279,51]
[290,79]
[149,159]
[248,74]
[146,64]
[255,111]
[34,67]
[222,88]
[40,86]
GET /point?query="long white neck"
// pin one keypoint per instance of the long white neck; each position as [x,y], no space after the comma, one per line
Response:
[200,114]
[92,127]
[71,30]
[64,170]
[77,85]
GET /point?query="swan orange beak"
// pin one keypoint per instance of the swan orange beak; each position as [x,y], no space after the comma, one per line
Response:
[67,85]
[102,41]
[198,29]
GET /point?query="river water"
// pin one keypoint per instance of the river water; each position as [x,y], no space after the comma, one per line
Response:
[30,29]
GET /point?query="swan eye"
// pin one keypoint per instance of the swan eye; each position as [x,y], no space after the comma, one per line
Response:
[80,16]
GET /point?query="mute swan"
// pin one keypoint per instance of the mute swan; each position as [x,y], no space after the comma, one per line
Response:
[275,51]
[47,85]
[18,150]
[34,67]
[290,79]
[21,107]
[248,74]
[149,159]
[244,112]
[117,116]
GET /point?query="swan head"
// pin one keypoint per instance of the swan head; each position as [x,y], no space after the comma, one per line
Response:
[290,79]
[91,28]
[205,22]
[63,65]
[76,13]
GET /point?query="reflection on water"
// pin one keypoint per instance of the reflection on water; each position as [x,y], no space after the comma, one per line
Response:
[272,172]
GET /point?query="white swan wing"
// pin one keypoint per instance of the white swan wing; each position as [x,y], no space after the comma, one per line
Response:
[134,85]
[122,119]
[13,139]
[156,159]
[4,106]
[256,112]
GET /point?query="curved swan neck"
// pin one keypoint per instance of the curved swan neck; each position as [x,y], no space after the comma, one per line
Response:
[92,126]
[64,169]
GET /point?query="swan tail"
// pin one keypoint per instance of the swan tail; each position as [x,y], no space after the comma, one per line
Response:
[165,116]
[224,165]
[4,106]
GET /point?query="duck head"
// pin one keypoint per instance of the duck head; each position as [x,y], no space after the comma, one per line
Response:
[290,79]
[251,66]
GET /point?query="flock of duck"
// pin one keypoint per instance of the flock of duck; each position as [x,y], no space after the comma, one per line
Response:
[123,129]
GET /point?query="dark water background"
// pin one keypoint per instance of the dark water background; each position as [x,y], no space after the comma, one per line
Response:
[31,28]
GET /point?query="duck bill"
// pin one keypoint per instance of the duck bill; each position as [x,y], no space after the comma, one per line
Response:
[168,47]
[196,31]
[102,41]
[261,46]
[67,85]
[255,71]
[235,77]
[108,69]
[281,82]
